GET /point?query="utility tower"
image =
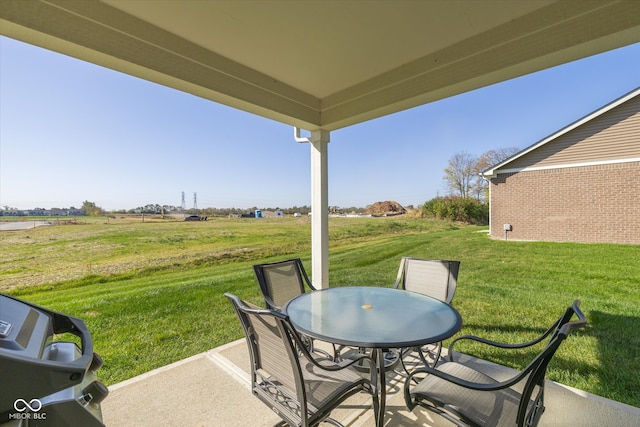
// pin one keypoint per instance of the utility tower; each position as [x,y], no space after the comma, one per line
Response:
[183,205]
[195,201]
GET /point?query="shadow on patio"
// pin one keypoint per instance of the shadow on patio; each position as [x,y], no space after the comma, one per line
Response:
[212,389]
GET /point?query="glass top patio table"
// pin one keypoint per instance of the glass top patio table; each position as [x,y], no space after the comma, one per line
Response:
[372,317]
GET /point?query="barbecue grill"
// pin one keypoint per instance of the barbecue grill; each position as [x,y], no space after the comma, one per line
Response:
[47,382]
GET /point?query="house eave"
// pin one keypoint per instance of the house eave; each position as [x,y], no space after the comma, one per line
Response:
[492,172]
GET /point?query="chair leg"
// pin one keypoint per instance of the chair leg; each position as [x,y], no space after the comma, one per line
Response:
[308,342]
[325,354]
[436,355]
[405,371]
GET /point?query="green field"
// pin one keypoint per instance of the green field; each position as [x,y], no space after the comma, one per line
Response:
[152,292]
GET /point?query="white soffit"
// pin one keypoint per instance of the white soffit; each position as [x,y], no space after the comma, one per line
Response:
[324,64]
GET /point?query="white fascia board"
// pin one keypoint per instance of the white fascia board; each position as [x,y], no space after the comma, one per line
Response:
[566,165]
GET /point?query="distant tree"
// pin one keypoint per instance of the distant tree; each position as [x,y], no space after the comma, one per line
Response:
[462,174]
[495,156]
[458,175]
[151,208]
[91,209]
[485,161]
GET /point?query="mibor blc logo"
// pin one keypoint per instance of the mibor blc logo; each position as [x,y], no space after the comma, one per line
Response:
[28,410]
[22,405]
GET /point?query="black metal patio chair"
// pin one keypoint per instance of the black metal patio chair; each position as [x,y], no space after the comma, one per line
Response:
[282,281]
[288,378]
[434,278]
[468,397]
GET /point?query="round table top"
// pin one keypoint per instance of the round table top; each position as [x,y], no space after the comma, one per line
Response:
[372,317]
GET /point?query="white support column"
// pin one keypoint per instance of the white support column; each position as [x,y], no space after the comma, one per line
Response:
[319,208]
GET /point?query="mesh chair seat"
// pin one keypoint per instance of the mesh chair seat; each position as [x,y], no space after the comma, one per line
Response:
[491,408]
[321,385]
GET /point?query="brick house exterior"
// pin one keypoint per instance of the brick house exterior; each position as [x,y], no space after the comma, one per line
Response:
[581,184]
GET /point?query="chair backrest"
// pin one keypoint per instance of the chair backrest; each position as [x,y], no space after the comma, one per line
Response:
[281,281]
[276,376]
[434,278]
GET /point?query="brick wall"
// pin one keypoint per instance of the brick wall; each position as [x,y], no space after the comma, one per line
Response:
[580,204]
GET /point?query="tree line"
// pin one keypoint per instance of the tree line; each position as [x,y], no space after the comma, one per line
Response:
[156,209]
[467,198]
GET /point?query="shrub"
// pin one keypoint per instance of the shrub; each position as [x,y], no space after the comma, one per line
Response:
[460,209]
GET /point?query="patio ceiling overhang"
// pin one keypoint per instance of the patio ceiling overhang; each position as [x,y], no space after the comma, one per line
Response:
[323,65]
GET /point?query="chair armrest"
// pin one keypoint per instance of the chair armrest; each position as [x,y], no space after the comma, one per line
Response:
[331,366]
[580,323]
[561,326]
[499,344]
[271,304]
[345,363]
[498,385]
[491,343]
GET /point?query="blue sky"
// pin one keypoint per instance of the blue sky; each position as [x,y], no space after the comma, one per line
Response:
[72,131]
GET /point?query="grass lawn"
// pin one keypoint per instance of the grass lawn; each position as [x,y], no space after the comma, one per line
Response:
[152,292]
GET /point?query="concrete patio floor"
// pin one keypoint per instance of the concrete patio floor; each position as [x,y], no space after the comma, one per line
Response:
[212,389]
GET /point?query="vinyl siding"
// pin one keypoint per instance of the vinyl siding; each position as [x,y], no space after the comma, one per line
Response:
[614,135]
